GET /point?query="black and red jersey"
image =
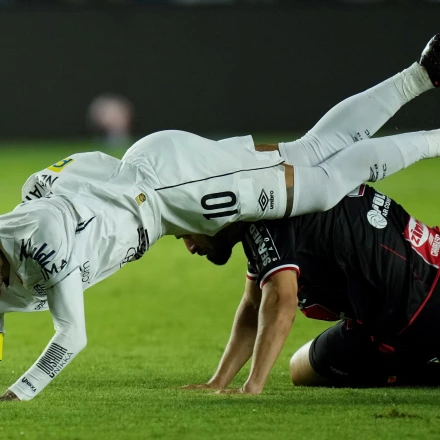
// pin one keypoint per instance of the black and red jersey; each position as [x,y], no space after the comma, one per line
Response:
[367,247]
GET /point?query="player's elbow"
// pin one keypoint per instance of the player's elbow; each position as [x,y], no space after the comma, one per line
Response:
[288,298]
[281,291]
[284,298]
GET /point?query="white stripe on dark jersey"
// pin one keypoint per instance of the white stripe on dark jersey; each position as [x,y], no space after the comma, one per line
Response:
[271,272]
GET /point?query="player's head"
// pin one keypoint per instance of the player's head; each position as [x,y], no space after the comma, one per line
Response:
[217,249]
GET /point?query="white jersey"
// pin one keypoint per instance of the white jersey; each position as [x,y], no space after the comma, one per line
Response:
[204,185]
[89,211]
[88,215]
[94,212]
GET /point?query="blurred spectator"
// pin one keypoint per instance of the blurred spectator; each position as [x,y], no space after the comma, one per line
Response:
[112,116]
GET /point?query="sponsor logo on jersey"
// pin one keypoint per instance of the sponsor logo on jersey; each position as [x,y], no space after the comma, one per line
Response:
[263,200]
[54,360]
[141,199]
[374,173]
[377,216]
[336,371]
[43,256]
[262,245]
[418,233]
[59,166]
[39,190]
[83,225]
[435,246]
[29,384]
[40,290]
[85,272]
[424,240]
[40,305]
[135,253]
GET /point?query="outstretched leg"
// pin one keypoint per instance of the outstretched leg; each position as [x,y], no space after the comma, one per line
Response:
[360,116]
[322,187]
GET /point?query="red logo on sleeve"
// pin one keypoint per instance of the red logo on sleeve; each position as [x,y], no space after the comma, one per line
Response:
[424,240]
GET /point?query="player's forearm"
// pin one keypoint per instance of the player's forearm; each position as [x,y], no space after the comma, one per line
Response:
[60,351]
[66,304]
[240,345]
[275,321]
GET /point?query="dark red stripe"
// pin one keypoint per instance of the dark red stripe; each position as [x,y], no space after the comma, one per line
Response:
[394,252]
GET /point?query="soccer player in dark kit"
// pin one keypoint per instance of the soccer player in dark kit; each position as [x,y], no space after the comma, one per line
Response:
[366,260]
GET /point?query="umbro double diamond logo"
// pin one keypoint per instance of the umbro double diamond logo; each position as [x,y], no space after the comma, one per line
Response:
[263,200]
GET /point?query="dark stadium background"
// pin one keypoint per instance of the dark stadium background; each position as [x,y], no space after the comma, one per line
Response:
[245,66]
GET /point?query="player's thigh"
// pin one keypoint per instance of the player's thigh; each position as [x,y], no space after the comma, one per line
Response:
[347,357]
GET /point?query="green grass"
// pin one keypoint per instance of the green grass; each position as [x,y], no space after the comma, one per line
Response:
[163,322]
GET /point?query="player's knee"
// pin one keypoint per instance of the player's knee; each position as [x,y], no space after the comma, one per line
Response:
[297,365]
[301,370]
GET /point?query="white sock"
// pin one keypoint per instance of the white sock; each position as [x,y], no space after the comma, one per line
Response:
[412,82]
[356,118]
[433,138]
[322,187]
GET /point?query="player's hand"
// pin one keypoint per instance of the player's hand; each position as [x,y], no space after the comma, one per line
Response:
[9,395]
[231,391]
[201,386]
[242,390]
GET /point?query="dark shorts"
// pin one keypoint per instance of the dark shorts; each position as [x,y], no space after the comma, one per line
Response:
[348,356]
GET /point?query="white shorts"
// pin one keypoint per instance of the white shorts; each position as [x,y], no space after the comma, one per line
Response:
[204,185]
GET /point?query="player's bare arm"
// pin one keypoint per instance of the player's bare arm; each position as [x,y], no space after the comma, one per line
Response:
[275,318]
[241,341]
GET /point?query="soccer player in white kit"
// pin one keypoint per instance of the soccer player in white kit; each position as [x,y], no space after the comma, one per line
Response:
[88,215]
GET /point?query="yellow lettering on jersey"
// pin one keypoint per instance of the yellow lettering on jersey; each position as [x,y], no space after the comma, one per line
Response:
[141,198]
[58,167]
[1,346]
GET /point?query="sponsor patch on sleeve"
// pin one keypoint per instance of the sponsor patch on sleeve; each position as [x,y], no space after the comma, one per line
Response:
[424,240]
[59,166]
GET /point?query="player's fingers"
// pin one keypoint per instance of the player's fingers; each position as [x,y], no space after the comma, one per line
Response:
[195,386]
[228,391]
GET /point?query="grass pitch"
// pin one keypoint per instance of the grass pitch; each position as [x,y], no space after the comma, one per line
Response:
[163,322]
